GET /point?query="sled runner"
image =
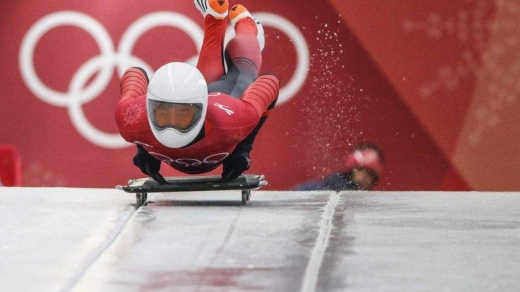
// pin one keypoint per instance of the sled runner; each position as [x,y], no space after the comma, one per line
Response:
[142,186]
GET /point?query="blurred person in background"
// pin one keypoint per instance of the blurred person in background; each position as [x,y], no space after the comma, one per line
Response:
[362,171]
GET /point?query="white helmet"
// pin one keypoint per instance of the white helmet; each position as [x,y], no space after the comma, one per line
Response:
[177,100]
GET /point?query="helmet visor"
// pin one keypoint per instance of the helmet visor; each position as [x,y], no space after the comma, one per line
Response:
[180,116]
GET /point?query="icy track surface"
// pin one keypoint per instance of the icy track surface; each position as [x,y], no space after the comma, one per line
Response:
[69,239]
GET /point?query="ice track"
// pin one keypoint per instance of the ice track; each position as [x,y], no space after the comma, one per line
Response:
[71,239]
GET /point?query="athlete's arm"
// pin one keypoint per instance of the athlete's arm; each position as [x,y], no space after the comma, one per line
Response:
[133,83]
[130,114]
[262,95]
[131,119]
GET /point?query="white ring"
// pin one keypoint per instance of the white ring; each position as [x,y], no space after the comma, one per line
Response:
[302,67]
[78,118]
[87,23]
[149,21]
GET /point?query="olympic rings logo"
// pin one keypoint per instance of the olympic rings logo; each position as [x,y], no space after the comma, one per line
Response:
[191,162]
[103,64]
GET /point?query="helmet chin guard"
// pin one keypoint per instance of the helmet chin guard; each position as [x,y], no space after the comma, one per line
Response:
[177,83]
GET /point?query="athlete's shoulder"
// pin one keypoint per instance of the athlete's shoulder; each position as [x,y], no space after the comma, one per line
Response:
[131,115]
[226,111]
[221,103]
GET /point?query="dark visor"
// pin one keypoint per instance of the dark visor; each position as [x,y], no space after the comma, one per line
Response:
[180,116]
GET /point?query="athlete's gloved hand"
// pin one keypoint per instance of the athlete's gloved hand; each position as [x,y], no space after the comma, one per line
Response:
[148,164]
[235,164]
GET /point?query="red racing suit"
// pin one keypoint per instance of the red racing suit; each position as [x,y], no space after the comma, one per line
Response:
[230,119]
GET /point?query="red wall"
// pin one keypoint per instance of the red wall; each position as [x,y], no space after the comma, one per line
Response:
[367,67]
[455,64]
